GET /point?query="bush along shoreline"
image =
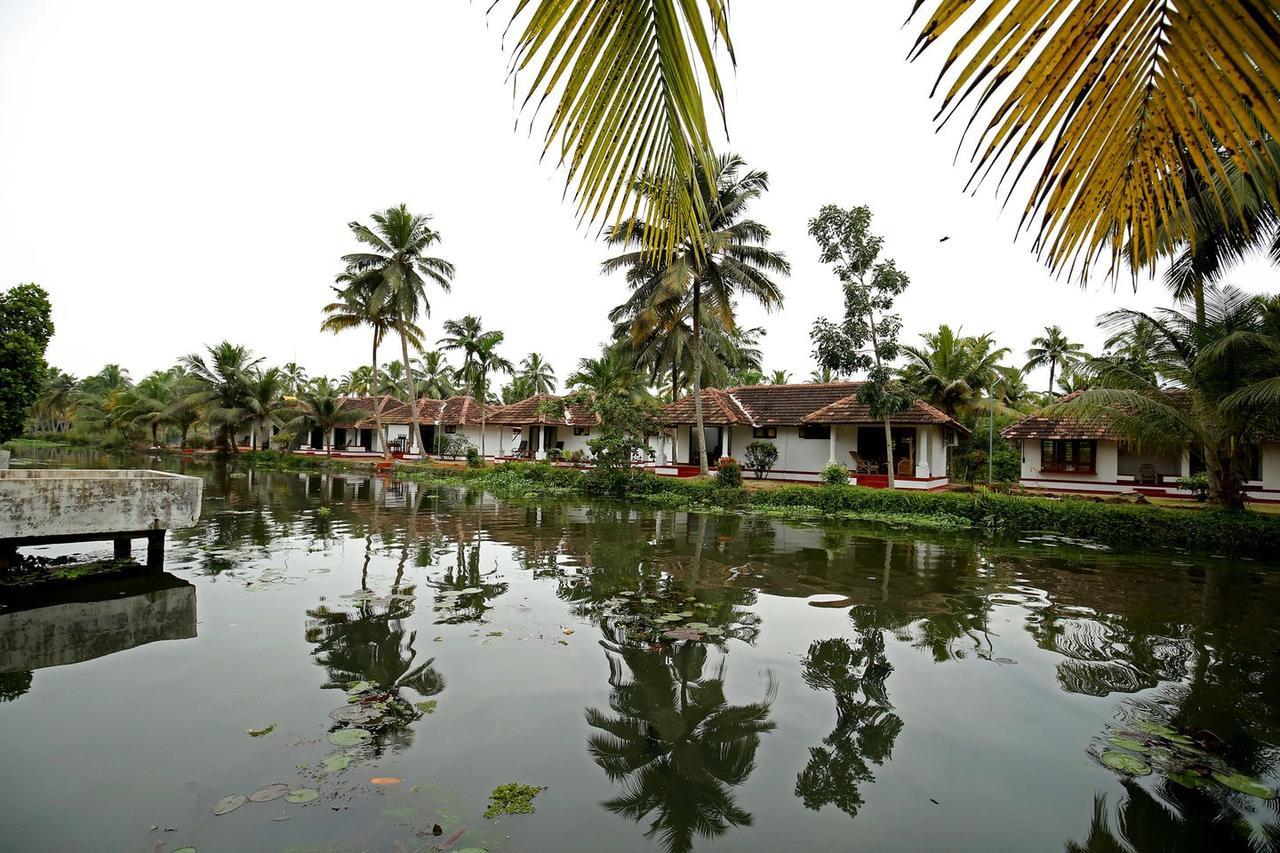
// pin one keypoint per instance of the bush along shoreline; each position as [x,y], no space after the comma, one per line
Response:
[1130,527]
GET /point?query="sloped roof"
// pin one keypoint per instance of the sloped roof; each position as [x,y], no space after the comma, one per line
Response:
[793,405]
[847,410]
[526,413]
[382,404]
[1039,425]
[464,411]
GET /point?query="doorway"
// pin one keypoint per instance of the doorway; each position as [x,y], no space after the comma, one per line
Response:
[714,438]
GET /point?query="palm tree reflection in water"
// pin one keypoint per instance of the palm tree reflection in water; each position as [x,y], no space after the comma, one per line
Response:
[678,744]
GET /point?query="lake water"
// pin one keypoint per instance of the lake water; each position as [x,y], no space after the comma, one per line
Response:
[840,686]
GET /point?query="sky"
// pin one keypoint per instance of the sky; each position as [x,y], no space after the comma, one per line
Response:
[176,174]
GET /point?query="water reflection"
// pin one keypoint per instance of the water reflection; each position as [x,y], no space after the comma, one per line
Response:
[674,742]
[91,618]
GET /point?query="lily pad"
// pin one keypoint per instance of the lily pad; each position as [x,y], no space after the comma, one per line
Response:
[185,850]
[348,737]
[1245,785]
[358,687]
[1188,779]
[1153,728]
[334,763]
[267,793]
[1128,743]
[1125,763]
[262,732]
[427,707]
[229,803]
[303,795]
[358,715]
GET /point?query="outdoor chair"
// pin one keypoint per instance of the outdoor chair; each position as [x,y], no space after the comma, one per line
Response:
[905,468]
[521,450]
[1147,475]
[860,465]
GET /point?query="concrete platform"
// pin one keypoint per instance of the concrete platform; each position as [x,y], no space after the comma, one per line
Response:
[40,506]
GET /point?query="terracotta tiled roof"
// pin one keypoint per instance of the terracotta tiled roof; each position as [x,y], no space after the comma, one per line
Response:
[847,410]
[793,405]
[384,405]
[1039,425]
[464,411]
[526,413]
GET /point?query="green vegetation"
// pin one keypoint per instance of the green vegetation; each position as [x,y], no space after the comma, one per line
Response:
[25,328]
[512,798]
[1123,525]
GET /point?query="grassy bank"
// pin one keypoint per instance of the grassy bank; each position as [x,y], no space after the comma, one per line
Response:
[1245,534]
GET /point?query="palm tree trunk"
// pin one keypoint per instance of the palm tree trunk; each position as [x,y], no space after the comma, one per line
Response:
[377,407]
[675,378]
[700,439]
[1053,366]
[415,436]
[888,452]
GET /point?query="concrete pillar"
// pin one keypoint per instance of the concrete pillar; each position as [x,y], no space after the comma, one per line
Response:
[123,547]
[924,451]
[831,446]
[542,443]
[155,549]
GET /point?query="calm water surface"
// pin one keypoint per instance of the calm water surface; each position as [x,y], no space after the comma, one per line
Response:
[843,686]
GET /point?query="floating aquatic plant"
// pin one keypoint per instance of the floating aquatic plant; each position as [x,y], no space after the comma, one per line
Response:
[511,798]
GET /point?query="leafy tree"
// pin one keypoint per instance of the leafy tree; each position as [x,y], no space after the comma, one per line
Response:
[148,403]
[486,360]
[761,456]
[540,376]
[867,337]
[266,405]
[26,325]
[395,271]
[729,357]
[705,270]
[952,370]
[1115,104]
[825,374]
[779,377]
[221,389]
[295,378]
[55,406]
[1054,350]
[1226,375]
[519,388]
[611,374]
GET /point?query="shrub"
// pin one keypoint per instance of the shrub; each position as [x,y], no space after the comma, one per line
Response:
[577,457]
[555,454]
[1196,484]
[761,456]
[835,474]
[474,459]
[728,472]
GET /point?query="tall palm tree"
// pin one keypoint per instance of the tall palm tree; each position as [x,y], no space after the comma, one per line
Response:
[434,375]
[147,403]
[463,336]
[396,271]
[825,374]
[951,370]
[1055,350]
[222,389]
[1113,103]
[485,360]
[55,407]
[538,373]
[359,305]
[1227,372]
[707,269]
[728,357]
[519,388]
[779,377]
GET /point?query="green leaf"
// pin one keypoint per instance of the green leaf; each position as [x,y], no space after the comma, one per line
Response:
[229,803]
[1245,785]
[1125,763]
[348,737]
[302,795]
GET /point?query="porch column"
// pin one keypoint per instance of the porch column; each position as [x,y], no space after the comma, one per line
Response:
[923,451]
[542,443]
[831,446]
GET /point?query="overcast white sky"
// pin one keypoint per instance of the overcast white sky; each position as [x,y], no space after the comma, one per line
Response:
[179,173]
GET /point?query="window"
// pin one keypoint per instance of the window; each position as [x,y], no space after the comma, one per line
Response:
[822,431]
[764,432]
[582,430]
[1069,456]
[450,429]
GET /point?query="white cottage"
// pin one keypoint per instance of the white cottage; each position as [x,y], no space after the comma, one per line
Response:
[1067,455]
[536,426]
[814,425]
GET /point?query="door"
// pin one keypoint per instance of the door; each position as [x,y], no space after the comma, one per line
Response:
[714,445]
[317,439]
[339,438]
[427,435]
[366,439]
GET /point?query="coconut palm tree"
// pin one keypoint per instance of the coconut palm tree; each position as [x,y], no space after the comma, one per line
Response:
[434,375]
[952,370]
[539,374]
[463,336]
[396,271]
[320,407]
[825,374]
[1055,350]
[147,403]
[266,404]
[485,360]
[222,389]
[779,377]
[55,407]
[1226,371]
[359,305]
[706,270]
[1114,104]
[728,358]
[295,378]
[519,388]
[611,374]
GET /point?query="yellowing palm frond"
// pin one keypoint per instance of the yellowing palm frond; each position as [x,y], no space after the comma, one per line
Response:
[1122,98]
[627,79]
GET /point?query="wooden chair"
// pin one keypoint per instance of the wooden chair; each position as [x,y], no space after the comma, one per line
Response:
[905,468]
[1147,475]
[521,450]
[860,465]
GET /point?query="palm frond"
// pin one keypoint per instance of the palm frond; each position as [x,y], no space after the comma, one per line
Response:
[1121,99]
